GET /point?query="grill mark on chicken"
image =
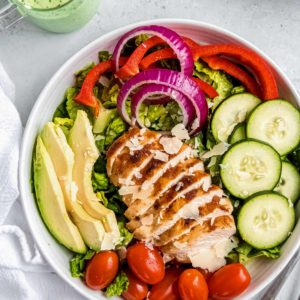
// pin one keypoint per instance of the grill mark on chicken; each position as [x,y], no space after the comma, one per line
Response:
[172,202]
[176,210]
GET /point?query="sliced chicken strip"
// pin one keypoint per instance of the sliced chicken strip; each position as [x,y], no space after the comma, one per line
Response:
[133,140]
[116,148]
[212,210]
[155,169]
[197,180]
[187,207]
[202,235]
[170,178]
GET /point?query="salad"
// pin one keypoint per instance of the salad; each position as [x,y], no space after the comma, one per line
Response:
[168,166]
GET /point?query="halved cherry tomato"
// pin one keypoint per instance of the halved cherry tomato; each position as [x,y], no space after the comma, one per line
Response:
[137,290]
[101,270]
[229,281]
[192,285]
[145,263]
[167,289]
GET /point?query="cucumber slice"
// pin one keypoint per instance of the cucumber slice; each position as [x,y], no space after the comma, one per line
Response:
[238,133]
[266,220]
[249,167]
[230,112]
[277,123]
[289,183]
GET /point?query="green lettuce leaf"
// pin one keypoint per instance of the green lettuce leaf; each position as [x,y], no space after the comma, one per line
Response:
[161,117]
[116,128]
[126,235]
[104,56]
[72,107]
[118,286]
[100,181]
[64,123]
[78,262]
[218,79]
[140,39]
[244,253]
[81,74]
[110,95]
[238,89]
[61,111]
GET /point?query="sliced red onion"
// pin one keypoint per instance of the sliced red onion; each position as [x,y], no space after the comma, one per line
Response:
[174,40]
[169,78]
[188,111]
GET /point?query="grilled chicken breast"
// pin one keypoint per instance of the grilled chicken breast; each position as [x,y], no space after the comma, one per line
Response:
[171,200]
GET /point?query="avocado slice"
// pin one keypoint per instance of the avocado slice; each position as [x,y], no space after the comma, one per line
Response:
[51,204]
[85,151]
[62,156]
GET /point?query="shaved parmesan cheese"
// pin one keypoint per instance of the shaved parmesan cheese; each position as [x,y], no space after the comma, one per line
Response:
[223,247]
[159,155]
[206,258]
[125,190]
[218,149]
[171,145]
[167,258]
[180,132]
[108,241]
[104,81]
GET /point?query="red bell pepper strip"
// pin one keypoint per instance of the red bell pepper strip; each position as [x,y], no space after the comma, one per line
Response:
[246,57]
[206,88]
[166,53]
[219,63]
[86,95]
[131,67]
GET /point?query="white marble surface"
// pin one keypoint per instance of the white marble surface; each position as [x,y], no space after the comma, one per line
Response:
[31,55]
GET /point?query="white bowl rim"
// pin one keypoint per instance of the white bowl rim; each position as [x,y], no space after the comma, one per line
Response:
[26,136]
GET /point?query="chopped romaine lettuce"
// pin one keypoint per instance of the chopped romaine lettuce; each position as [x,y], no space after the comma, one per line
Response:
[110,95]
[218,79]
[237,90]
[81,74]
[118,286]
[126,235]
[104,56]
[116,128]
[72,106]
[64,123]
[161,117]
[140,39]
[244,253]
[77,263]
[100,181]
[61,111]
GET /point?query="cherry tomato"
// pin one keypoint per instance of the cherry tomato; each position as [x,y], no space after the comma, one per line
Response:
[192,285]
[167,289]
[101,270]
[137,290]
[145,263]
[229,281]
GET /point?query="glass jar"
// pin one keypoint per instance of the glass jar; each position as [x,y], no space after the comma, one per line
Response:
[52,15]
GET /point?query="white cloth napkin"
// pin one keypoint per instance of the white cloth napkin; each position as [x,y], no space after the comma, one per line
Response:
[21,264]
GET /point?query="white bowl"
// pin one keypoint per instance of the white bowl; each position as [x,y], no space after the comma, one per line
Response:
[262,271]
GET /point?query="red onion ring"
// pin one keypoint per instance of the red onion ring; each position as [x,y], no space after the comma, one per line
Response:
[170,78]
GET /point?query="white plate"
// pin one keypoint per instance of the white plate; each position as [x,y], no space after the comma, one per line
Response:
[262,271]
